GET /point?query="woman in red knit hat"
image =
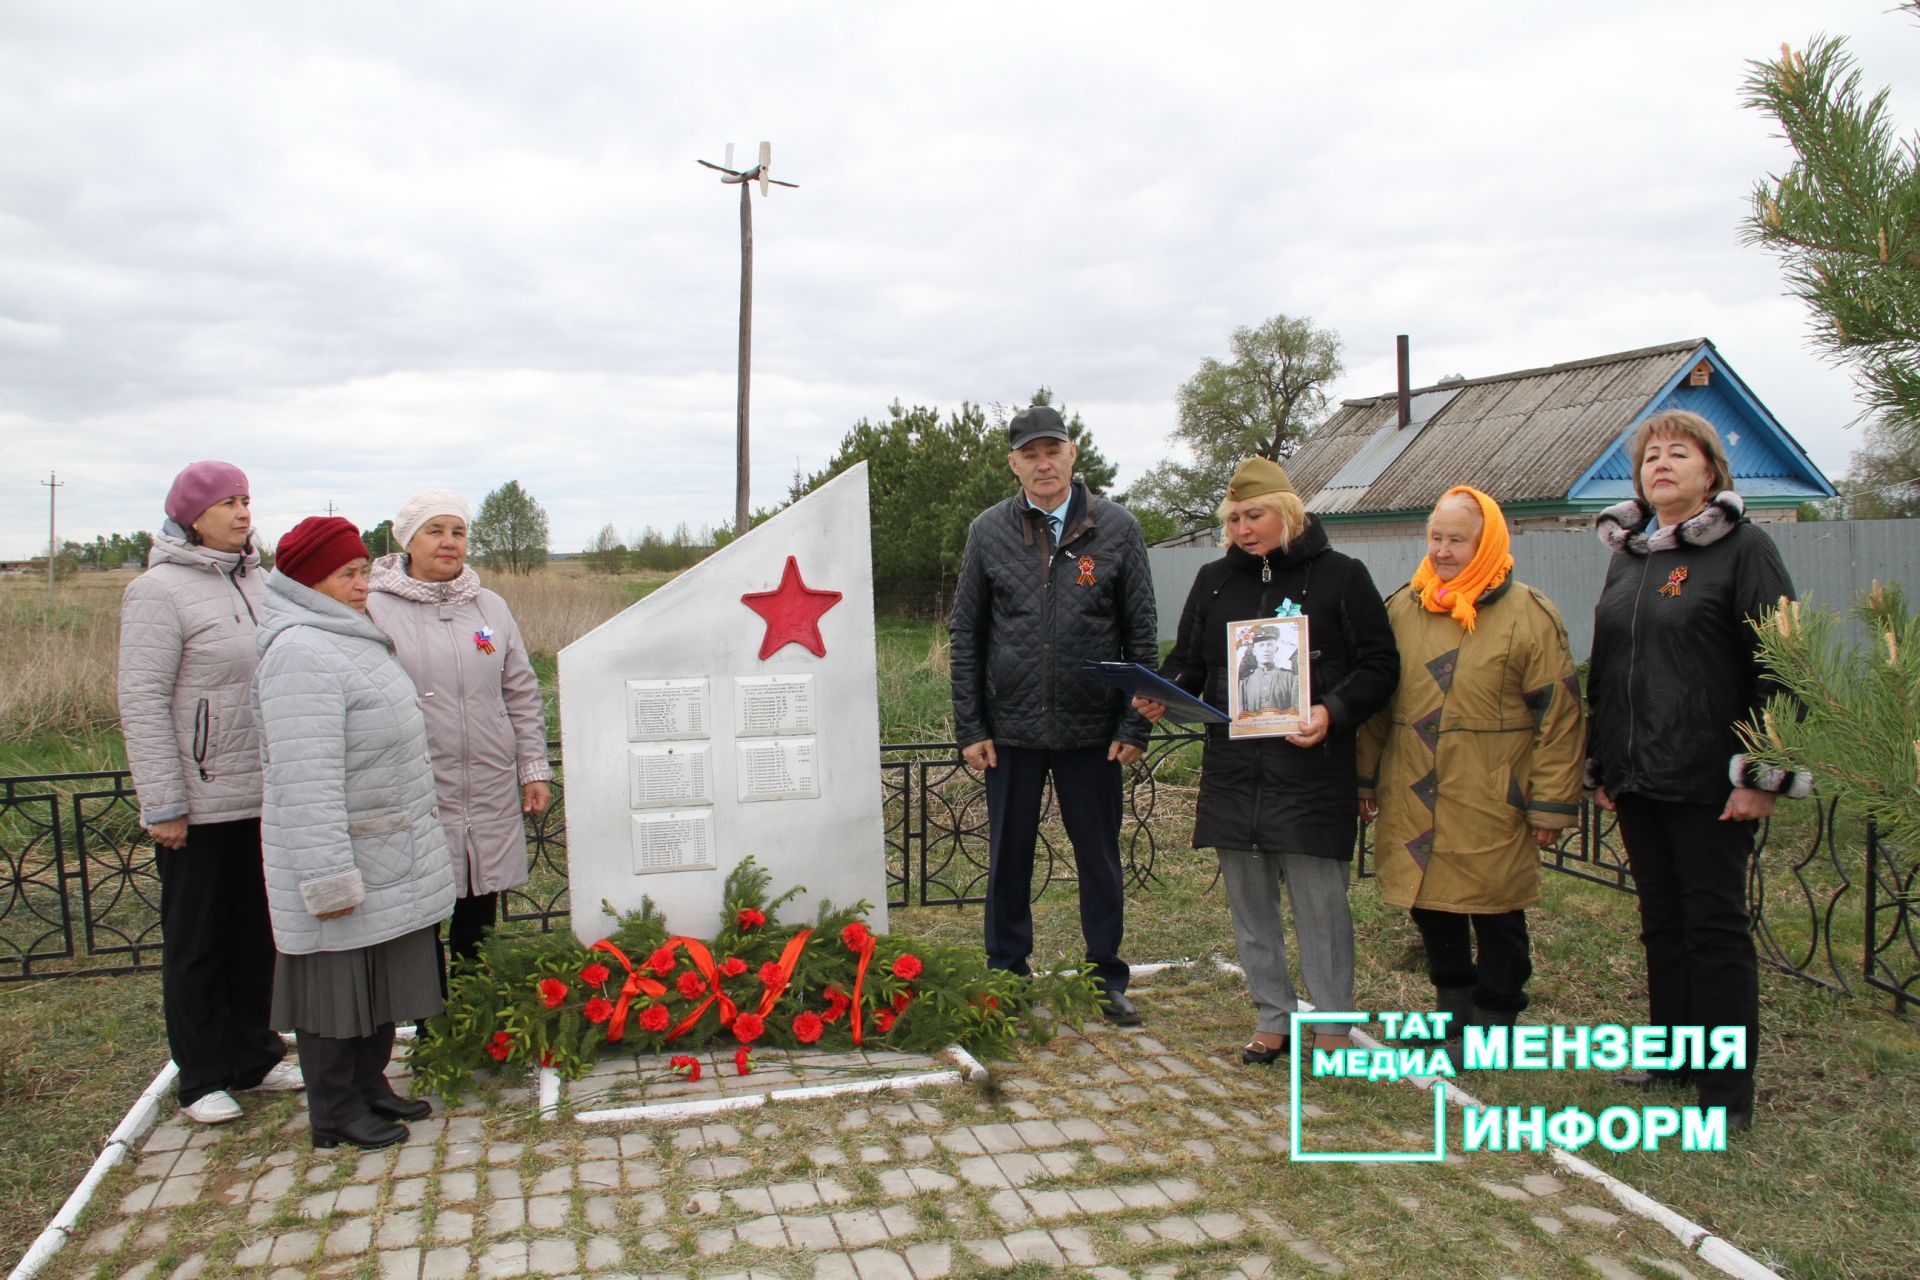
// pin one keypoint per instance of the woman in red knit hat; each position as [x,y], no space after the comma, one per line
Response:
[358,877]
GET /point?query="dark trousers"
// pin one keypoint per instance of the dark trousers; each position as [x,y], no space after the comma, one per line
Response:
[216,965]
[1499,976]
[1088,788]
[473,918]
[1702,970]
[344,1075]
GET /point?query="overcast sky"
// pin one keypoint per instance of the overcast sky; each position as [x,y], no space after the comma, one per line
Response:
[364,248]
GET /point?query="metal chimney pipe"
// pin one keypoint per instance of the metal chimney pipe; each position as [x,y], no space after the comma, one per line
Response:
[1405,385]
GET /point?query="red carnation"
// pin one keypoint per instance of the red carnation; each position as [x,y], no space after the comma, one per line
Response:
[747,1028]
[595,975]
[661,961]
[837,1004]
[653,1018]
[546,1057]
[856,936]
[681,1062]
[883,1020]
[751,918]
[770,973]
[733,966]
[742,1060]
[907,967]
[901,1001]
[808,1027]
[500,1046]
[553,992]
[598,1010]
[692,985]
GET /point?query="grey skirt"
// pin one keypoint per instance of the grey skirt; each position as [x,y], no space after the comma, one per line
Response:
[344,994]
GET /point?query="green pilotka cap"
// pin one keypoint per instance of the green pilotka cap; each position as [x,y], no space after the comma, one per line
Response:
[1256,477]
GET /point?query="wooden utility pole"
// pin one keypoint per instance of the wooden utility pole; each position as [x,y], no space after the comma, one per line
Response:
[745,178]
[54,485]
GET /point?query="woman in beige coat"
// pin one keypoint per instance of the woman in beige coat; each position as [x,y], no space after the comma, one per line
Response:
[486,728]
[186,670]
[1476,763]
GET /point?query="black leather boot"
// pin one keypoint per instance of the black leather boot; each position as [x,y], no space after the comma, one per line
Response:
[369,1133]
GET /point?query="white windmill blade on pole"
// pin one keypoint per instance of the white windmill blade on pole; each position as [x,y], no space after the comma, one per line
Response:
[729,155]
[766,163]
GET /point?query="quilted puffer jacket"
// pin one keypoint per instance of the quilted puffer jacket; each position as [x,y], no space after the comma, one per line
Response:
[1266,793]
[186,667]
[1027,616]
[485,726]
[349,818]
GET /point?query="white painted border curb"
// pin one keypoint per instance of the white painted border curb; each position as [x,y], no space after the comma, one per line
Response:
[1700,1242]
[968,1070]
[139,1118]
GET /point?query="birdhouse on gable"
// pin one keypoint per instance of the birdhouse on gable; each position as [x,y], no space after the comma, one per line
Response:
[1701,375]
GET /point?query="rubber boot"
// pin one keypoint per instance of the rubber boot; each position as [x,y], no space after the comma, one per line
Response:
[1457,1001]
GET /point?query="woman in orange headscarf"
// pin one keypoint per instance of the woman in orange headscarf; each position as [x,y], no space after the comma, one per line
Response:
[1476,763]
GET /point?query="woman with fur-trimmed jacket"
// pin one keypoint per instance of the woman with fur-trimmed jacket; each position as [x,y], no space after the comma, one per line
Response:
[485,724]
[186,665]
[1675,668]
[357,872]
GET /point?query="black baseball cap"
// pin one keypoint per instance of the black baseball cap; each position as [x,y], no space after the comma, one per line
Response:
[1036,422]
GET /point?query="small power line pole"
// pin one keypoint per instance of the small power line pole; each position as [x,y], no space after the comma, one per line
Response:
[745,178]
[53,484]
[329,508]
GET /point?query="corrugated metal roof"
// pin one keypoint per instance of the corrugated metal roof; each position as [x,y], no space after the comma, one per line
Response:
[1525,436]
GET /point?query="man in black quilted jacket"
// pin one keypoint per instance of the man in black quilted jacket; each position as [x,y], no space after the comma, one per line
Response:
[1052,577]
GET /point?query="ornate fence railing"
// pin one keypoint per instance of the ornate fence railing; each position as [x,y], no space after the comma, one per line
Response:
[79,893]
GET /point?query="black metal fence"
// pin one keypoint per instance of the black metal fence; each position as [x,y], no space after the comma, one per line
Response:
[79,893]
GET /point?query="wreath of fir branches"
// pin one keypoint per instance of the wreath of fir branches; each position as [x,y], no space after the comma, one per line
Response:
[547,1000]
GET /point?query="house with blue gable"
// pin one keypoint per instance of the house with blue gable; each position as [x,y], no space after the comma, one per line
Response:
[1548,444]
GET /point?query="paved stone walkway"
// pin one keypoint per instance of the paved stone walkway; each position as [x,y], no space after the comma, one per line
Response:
[1109,1153]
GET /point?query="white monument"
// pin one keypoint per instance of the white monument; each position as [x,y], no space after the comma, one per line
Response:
[733,712]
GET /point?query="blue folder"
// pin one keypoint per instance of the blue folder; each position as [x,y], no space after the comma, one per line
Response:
[1142,682]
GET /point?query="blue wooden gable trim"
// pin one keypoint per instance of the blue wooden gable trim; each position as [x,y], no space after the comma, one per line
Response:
[1767,462]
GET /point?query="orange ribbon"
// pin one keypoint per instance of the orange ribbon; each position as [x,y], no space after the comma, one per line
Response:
[1674,580]
[860,976]
[703,961]
[634,985]
[788,959]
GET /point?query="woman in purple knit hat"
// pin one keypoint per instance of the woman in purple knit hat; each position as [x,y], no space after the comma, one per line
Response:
[186,668]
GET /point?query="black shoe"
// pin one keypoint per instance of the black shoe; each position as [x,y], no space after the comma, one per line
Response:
[1260,1055]
[395,1107]
[1117,1009]
[1647,1081]
[369,1133]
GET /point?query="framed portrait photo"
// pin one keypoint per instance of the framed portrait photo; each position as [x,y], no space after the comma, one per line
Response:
[1269,686]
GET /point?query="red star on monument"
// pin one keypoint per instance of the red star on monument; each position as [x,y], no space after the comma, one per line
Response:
[792,611]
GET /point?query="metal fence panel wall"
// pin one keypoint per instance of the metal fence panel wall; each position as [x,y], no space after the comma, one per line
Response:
[1832,562]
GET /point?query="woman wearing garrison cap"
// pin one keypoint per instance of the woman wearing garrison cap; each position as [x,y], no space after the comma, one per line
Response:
[485,725]
[1475,764]
[357,871]
[1284,805]
[186,666]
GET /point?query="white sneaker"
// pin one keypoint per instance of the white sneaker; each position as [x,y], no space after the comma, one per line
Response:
[217,1107]
[284,1078]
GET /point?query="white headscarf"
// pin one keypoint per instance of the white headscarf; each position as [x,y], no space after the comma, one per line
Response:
[424,506]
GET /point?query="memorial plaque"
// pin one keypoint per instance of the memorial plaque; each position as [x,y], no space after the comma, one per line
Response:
[662,710]
[777,769]
[678,840]
[772,706]
[696,732]
[670,775]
